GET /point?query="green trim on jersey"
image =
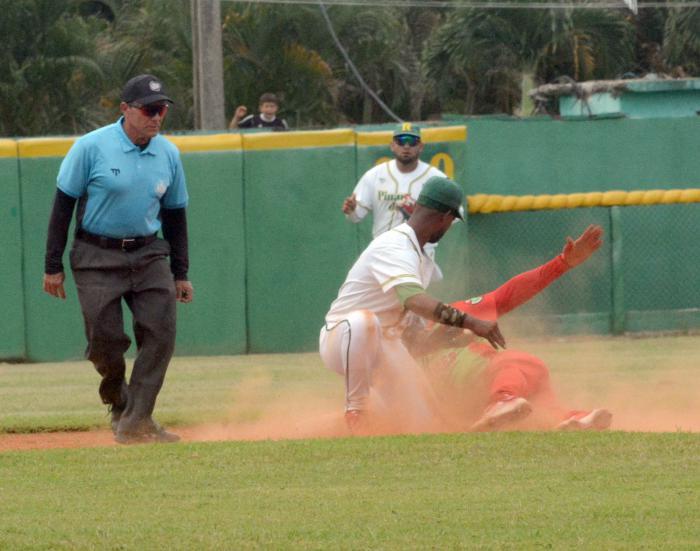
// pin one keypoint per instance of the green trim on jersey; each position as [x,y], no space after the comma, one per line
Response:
[408,290]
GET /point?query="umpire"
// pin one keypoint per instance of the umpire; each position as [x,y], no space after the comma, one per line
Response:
[128,183]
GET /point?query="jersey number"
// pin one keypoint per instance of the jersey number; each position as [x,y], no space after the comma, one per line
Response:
[441,161]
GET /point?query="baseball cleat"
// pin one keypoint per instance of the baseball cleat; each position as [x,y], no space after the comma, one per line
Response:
[598,419]
[149,433]
[502,413]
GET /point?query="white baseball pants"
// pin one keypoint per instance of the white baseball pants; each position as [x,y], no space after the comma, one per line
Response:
[357,349]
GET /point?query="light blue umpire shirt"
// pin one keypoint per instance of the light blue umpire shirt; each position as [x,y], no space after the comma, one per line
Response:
[125,186]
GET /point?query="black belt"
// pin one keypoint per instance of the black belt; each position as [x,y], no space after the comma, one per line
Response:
[126,244]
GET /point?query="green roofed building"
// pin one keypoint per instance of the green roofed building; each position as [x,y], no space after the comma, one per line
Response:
[641,98]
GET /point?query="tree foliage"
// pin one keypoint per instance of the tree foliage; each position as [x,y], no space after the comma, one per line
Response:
[485,53]
[65,61]
[267,49]
[50,72]
[681,47]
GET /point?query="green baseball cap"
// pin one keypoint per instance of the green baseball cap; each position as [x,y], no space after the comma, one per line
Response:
[407,129]
[443,195]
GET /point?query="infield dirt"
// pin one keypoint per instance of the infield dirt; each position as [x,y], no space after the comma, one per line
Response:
[664,403]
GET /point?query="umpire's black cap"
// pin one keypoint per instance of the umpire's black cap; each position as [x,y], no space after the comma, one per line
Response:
[144,89]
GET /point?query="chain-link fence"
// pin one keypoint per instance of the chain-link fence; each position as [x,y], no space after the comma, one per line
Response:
[645,277]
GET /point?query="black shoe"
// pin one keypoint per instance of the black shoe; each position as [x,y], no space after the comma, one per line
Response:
[149,433]
[116,414]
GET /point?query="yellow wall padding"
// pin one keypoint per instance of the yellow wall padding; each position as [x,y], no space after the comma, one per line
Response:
[486,204]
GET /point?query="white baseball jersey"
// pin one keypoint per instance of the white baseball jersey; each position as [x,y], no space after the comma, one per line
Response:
[384,188]
[360,338]
[392,259]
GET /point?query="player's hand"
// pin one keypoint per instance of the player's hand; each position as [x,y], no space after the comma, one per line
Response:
[488,330]
[241,111]
[445,336]
[350,204]
[53,284]
[184,292]
[406,206]
[577,252]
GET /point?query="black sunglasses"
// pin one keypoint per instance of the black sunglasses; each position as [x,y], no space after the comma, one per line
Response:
[151,110]
[411,141]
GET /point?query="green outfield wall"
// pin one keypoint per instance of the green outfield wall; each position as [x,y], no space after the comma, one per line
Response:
[298,247]
[54,327]
[659,267]
[269,246]
[505,244]
[535,156]
[650,283]
[215,323]
[12,344]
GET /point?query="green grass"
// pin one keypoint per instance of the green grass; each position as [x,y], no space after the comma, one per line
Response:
[63,396]
[588,372]
[502,490]
[529,490]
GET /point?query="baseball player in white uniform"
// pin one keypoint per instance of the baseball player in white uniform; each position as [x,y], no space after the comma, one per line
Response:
[389,190]
[386,286]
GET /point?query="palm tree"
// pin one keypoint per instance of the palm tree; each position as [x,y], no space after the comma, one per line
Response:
[66,61]
[681,46]
[649,30]
[270,49]
[375,41]
[587,45]
[149,36]
[289,50]
[468,56]
[491,52]
[50,74]
[418,25]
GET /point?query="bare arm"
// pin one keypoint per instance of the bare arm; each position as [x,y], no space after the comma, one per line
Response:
[240,112]
[432,309]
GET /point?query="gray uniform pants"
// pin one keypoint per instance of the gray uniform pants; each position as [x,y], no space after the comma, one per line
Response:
[143,279]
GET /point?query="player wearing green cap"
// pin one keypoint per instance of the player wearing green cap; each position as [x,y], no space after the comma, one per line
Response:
[389,190]
[384,289]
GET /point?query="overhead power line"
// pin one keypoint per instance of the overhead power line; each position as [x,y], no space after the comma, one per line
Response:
[602,4]
[354,70]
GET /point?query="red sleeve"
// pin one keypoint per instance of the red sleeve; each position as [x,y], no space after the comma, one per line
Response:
[483,307]
[514,292]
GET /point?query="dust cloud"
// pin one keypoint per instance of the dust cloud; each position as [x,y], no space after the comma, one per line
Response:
[663,402]
[649,385]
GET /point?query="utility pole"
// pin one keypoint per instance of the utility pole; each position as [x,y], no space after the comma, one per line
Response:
[207,65]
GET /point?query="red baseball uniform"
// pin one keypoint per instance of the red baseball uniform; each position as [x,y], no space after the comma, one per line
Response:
[510,373]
